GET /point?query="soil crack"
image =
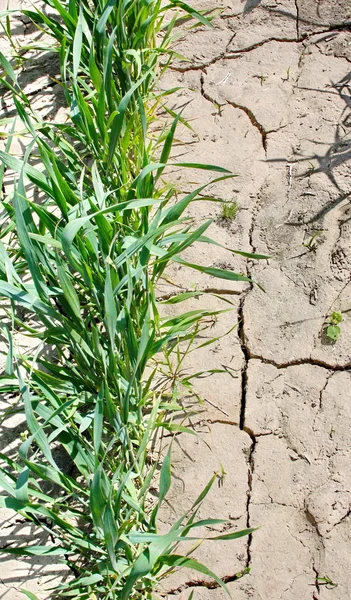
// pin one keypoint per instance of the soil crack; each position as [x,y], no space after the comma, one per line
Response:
[204,94]
[316,582]
[204,65]
[297,19]
[346,516]
[208,290]
[300,37]
[234,54]
[323,390]
[253,120]
[244,384]
[301,361]
[262,131]
[251,469]
[210,585]
[205,421]
[245,352]
[266,41]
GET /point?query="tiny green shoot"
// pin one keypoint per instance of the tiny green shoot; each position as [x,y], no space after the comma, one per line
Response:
[262,78]
[229,211]
[327,582]
[221,476]
[287,75]
[312,242]
[333,329]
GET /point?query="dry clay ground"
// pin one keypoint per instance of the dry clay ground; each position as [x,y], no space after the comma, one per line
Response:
[269,90]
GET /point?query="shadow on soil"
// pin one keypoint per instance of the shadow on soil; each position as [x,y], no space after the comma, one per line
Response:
[338,153]
[16,530]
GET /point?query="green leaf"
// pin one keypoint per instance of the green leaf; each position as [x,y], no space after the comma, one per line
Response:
[9,358]
[165,477]
[234,535]
[110,308]
[46,239]
[205,167]
[7,67]
[333,332]
[36,551]
[33,174]
[167,147]
[98,420]
[174,213]
[69,291]
[29,595]
[101,24]
[77,45]
[22,486]
[182,297]
[191,563]
[213,271]
[86,580]
[146,561]
[97,499]
[34,427]
[25,224]
[191,11]
[32,303]
[175,428]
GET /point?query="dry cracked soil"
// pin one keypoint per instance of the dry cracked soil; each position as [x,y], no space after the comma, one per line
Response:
[267,91]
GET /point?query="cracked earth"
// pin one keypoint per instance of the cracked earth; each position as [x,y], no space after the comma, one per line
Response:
[267,92]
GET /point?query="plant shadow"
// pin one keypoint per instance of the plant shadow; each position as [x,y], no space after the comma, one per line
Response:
[338,152]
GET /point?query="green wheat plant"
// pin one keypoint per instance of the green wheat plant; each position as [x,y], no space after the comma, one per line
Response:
[79,270]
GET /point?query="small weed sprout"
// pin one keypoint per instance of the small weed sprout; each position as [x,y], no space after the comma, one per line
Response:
[261,77]
[311,169]
[333,329]
[302,58]
[229,211]
[287,75]
[327,581]
[221,476]
[312,243]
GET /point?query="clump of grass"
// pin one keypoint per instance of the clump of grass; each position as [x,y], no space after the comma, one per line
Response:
[229,211]
[86,262]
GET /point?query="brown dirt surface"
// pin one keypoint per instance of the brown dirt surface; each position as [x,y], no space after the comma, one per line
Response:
[267,91]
